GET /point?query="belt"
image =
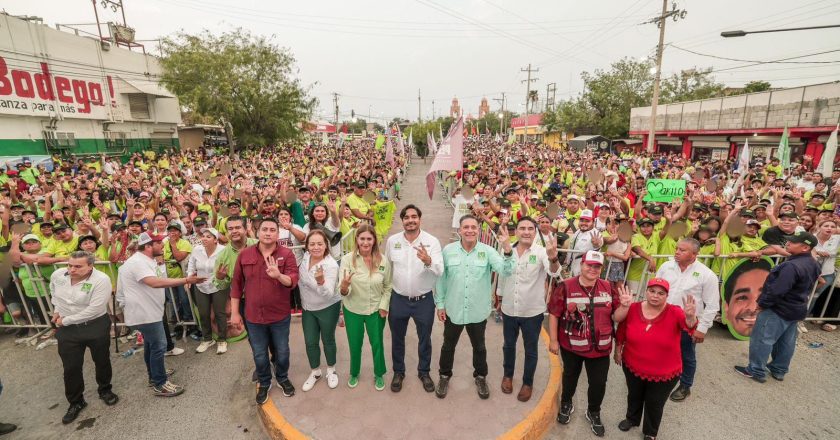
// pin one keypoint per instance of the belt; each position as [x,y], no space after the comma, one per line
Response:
[88,322]
[416,298]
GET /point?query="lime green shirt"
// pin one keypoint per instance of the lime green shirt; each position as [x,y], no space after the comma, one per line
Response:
[227,257]
[370,291]
[650,246]
[173,269]
[59,249]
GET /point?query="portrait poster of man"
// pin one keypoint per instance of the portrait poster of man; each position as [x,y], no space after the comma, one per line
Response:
[739,295]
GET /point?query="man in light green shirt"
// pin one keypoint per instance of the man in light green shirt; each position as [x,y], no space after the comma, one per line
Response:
[225,262]
[464,299]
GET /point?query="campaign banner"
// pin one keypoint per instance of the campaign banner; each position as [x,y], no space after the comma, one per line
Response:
[664,190]
[741,285]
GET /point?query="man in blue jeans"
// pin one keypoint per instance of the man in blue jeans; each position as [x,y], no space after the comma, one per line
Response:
[523,303]
[140,291]
[266,274]
[5,428]
[783,302]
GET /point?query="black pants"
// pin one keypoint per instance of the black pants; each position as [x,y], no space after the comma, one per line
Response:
[451,334]
[647,396]
[596,375]
[72,342]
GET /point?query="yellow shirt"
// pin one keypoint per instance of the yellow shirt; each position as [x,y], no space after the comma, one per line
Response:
[58,248]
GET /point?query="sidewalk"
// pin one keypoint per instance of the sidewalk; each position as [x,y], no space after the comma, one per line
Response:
[364,412]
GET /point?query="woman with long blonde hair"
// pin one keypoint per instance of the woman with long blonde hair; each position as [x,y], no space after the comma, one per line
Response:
[365,287]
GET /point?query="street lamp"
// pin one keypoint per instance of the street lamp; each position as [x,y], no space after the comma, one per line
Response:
[740,33]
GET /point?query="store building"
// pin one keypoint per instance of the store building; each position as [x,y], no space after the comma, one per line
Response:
[65,93]
[536,132]
[717,128]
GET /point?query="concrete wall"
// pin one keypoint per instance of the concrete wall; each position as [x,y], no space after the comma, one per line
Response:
[809,106]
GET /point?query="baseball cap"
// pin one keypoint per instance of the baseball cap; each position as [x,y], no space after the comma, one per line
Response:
[144,194]
[655,209]
[586,214]
[593,257]
[146,238]
[659,282]
[803,237]
[646,221]
[60,227]
[789,214]
[360,184]
[212,231]
[199,221]
[28,237]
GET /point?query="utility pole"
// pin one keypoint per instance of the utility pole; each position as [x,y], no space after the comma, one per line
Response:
[676,14]
[550,94]
[502,114]
[433,109]
[419,108]
[335,101]
[528,95]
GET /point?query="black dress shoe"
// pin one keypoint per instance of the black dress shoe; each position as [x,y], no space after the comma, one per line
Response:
[428,383]
[109,398]
[73,412]
[396,382]
[6,428]
[625,425]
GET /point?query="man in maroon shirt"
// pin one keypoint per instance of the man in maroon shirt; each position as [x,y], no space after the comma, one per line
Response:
[266,274]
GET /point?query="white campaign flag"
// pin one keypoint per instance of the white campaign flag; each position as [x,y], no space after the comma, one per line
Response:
[827,160]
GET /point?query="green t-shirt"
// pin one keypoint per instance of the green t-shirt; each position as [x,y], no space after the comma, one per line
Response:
[58,248]
[649,245]
[173,269]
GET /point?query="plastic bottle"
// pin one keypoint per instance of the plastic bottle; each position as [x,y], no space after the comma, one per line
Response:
[128,353]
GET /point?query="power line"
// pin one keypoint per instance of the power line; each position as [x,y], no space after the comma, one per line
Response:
[749,61]
[774,61]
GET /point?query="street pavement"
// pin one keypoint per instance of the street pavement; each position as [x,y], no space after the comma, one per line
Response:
[363,412]
[218,403]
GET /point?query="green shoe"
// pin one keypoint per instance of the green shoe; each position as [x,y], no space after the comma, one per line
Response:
[354,380]
[379,383]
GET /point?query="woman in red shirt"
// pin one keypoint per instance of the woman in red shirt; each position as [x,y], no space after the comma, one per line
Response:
[648,347]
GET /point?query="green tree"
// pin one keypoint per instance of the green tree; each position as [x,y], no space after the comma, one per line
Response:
[610,94]
[245,79]
[756,86]
[690,85]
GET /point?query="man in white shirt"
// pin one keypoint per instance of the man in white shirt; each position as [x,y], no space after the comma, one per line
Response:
[80,296]
[687,276]
[523,303]
[417,263]
[140,291]
[586,239]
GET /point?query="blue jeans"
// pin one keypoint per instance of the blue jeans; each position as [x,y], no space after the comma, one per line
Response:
[183,303]
[689,360]
[773,337]
[423,312]
[276,334]
[154,347]
[530,327]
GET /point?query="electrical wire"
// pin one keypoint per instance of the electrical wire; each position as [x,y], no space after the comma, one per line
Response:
[751,61]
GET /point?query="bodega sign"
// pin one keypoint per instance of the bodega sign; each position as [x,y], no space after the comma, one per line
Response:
[42,93]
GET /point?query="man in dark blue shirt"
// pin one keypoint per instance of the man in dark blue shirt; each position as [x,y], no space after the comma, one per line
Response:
[783,302]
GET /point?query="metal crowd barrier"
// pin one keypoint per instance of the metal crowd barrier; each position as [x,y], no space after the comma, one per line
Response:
[489,238]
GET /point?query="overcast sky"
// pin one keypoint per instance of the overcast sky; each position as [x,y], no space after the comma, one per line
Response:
[377,54]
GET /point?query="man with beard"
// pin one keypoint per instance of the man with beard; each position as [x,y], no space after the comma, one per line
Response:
[417,263]
[140,292]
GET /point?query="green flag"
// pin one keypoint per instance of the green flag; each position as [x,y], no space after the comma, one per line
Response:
[380,141]
[784,149]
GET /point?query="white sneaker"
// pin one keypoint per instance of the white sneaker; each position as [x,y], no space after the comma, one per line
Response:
[204,346]
[221,348]
[332,379]
[310,381]
[174,352]
[801,327]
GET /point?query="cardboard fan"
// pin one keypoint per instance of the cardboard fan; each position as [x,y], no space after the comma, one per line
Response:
[214,180]
[552,210]
[595,176]
[225,169]
[238,193]
[204,175]
[369,196]
[711,185]
[736,228]
[625,231]
[21,228]
[224,211]
[699,174]
[291,196]
[467,192]
[677,230]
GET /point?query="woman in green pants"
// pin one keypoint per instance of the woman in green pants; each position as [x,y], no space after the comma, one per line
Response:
[321,306]
[366,288]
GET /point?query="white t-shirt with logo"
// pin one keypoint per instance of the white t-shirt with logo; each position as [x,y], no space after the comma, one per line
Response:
[142,304]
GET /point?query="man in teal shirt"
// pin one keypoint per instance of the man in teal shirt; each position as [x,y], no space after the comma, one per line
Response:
[464,300]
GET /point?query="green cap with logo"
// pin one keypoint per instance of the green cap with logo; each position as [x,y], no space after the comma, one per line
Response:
[804,237]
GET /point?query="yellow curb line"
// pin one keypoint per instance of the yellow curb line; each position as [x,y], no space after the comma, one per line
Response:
[276,425]
[533,426]
[541,418]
